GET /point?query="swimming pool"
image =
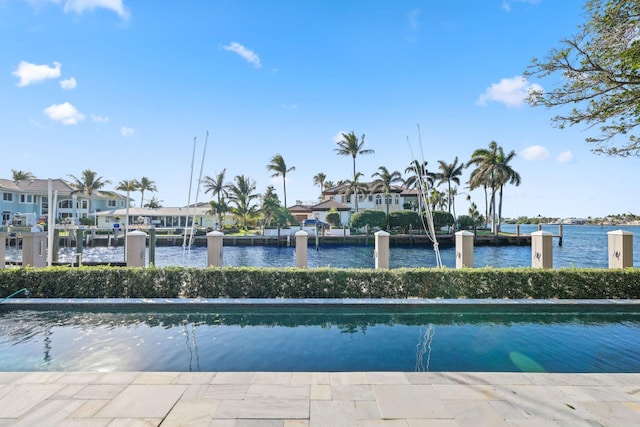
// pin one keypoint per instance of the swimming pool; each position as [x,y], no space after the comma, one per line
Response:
[319,336]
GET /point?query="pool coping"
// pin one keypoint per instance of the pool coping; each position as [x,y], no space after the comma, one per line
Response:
[52,303]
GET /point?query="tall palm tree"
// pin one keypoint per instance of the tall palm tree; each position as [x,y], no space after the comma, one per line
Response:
[486,175]
[350,145]
[89,184]
[220,189]
[128,185]
[382,184]
[506,175]
[450,172]
[319,180]
[19,175]
[242,194]
[145,184]
[278,166]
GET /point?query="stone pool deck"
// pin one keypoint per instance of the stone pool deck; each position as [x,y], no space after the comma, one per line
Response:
[318,399]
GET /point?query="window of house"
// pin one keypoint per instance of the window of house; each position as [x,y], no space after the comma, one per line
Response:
[7,197]
[6,215]
[397,200]
[65,204]
[370,198]
[26,198]
[85,204]
[111,203]
[378,200]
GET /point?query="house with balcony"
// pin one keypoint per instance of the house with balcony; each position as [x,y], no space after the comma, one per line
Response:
[337,198]
[31,196]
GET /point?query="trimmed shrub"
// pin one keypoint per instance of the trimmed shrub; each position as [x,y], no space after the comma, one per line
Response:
[369,217]
[404,219]
[251,282]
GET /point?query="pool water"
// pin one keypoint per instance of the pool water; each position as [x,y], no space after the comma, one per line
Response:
[489,338]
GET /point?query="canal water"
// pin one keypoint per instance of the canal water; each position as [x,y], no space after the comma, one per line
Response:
[582,246]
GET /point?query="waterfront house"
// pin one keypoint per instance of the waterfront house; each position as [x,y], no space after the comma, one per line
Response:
[31,196]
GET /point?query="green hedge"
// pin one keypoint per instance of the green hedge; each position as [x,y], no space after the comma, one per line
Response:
[246,282]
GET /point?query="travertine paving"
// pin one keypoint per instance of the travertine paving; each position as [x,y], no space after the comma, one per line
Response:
[318,399]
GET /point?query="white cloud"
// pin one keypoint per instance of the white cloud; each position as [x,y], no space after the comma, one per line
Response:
[80,6]
[245,53]
[127,132]
[511,92]
[99,119]
[31,73]
[506,4]
[535,152]
[565,156]
[65,113]
[68,83]
[412,19]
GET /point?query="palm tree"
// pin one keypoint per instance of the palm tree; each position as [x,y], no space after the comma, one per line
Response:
[128,185]
[218,188]
[485,160]
[382,184]
[145,184]
[279,168]
[328,185]
[450,172]
[319,180]
[154,203]
[420,179]
[350,145]
[89,183]
[354,186]
[242,193]
[18,175]
[505,175]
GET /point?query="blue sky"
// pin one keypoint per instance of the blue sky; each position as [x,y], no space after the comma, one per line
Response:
[123,87]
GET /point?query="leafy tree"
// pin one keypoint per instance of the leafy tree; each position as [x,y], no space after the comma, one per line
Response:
[89,184]
[279,168]
[404,219]
[442,219]
[450,172]
[145,184]
[219,189]
[600,71]
[382,184]
[370,217]
[18,175]
[350,145]
[333,217]
[242,194]
[465,222]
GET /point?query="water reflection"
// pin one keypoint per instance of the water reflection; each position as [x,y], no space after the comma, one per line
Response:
[295,339]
